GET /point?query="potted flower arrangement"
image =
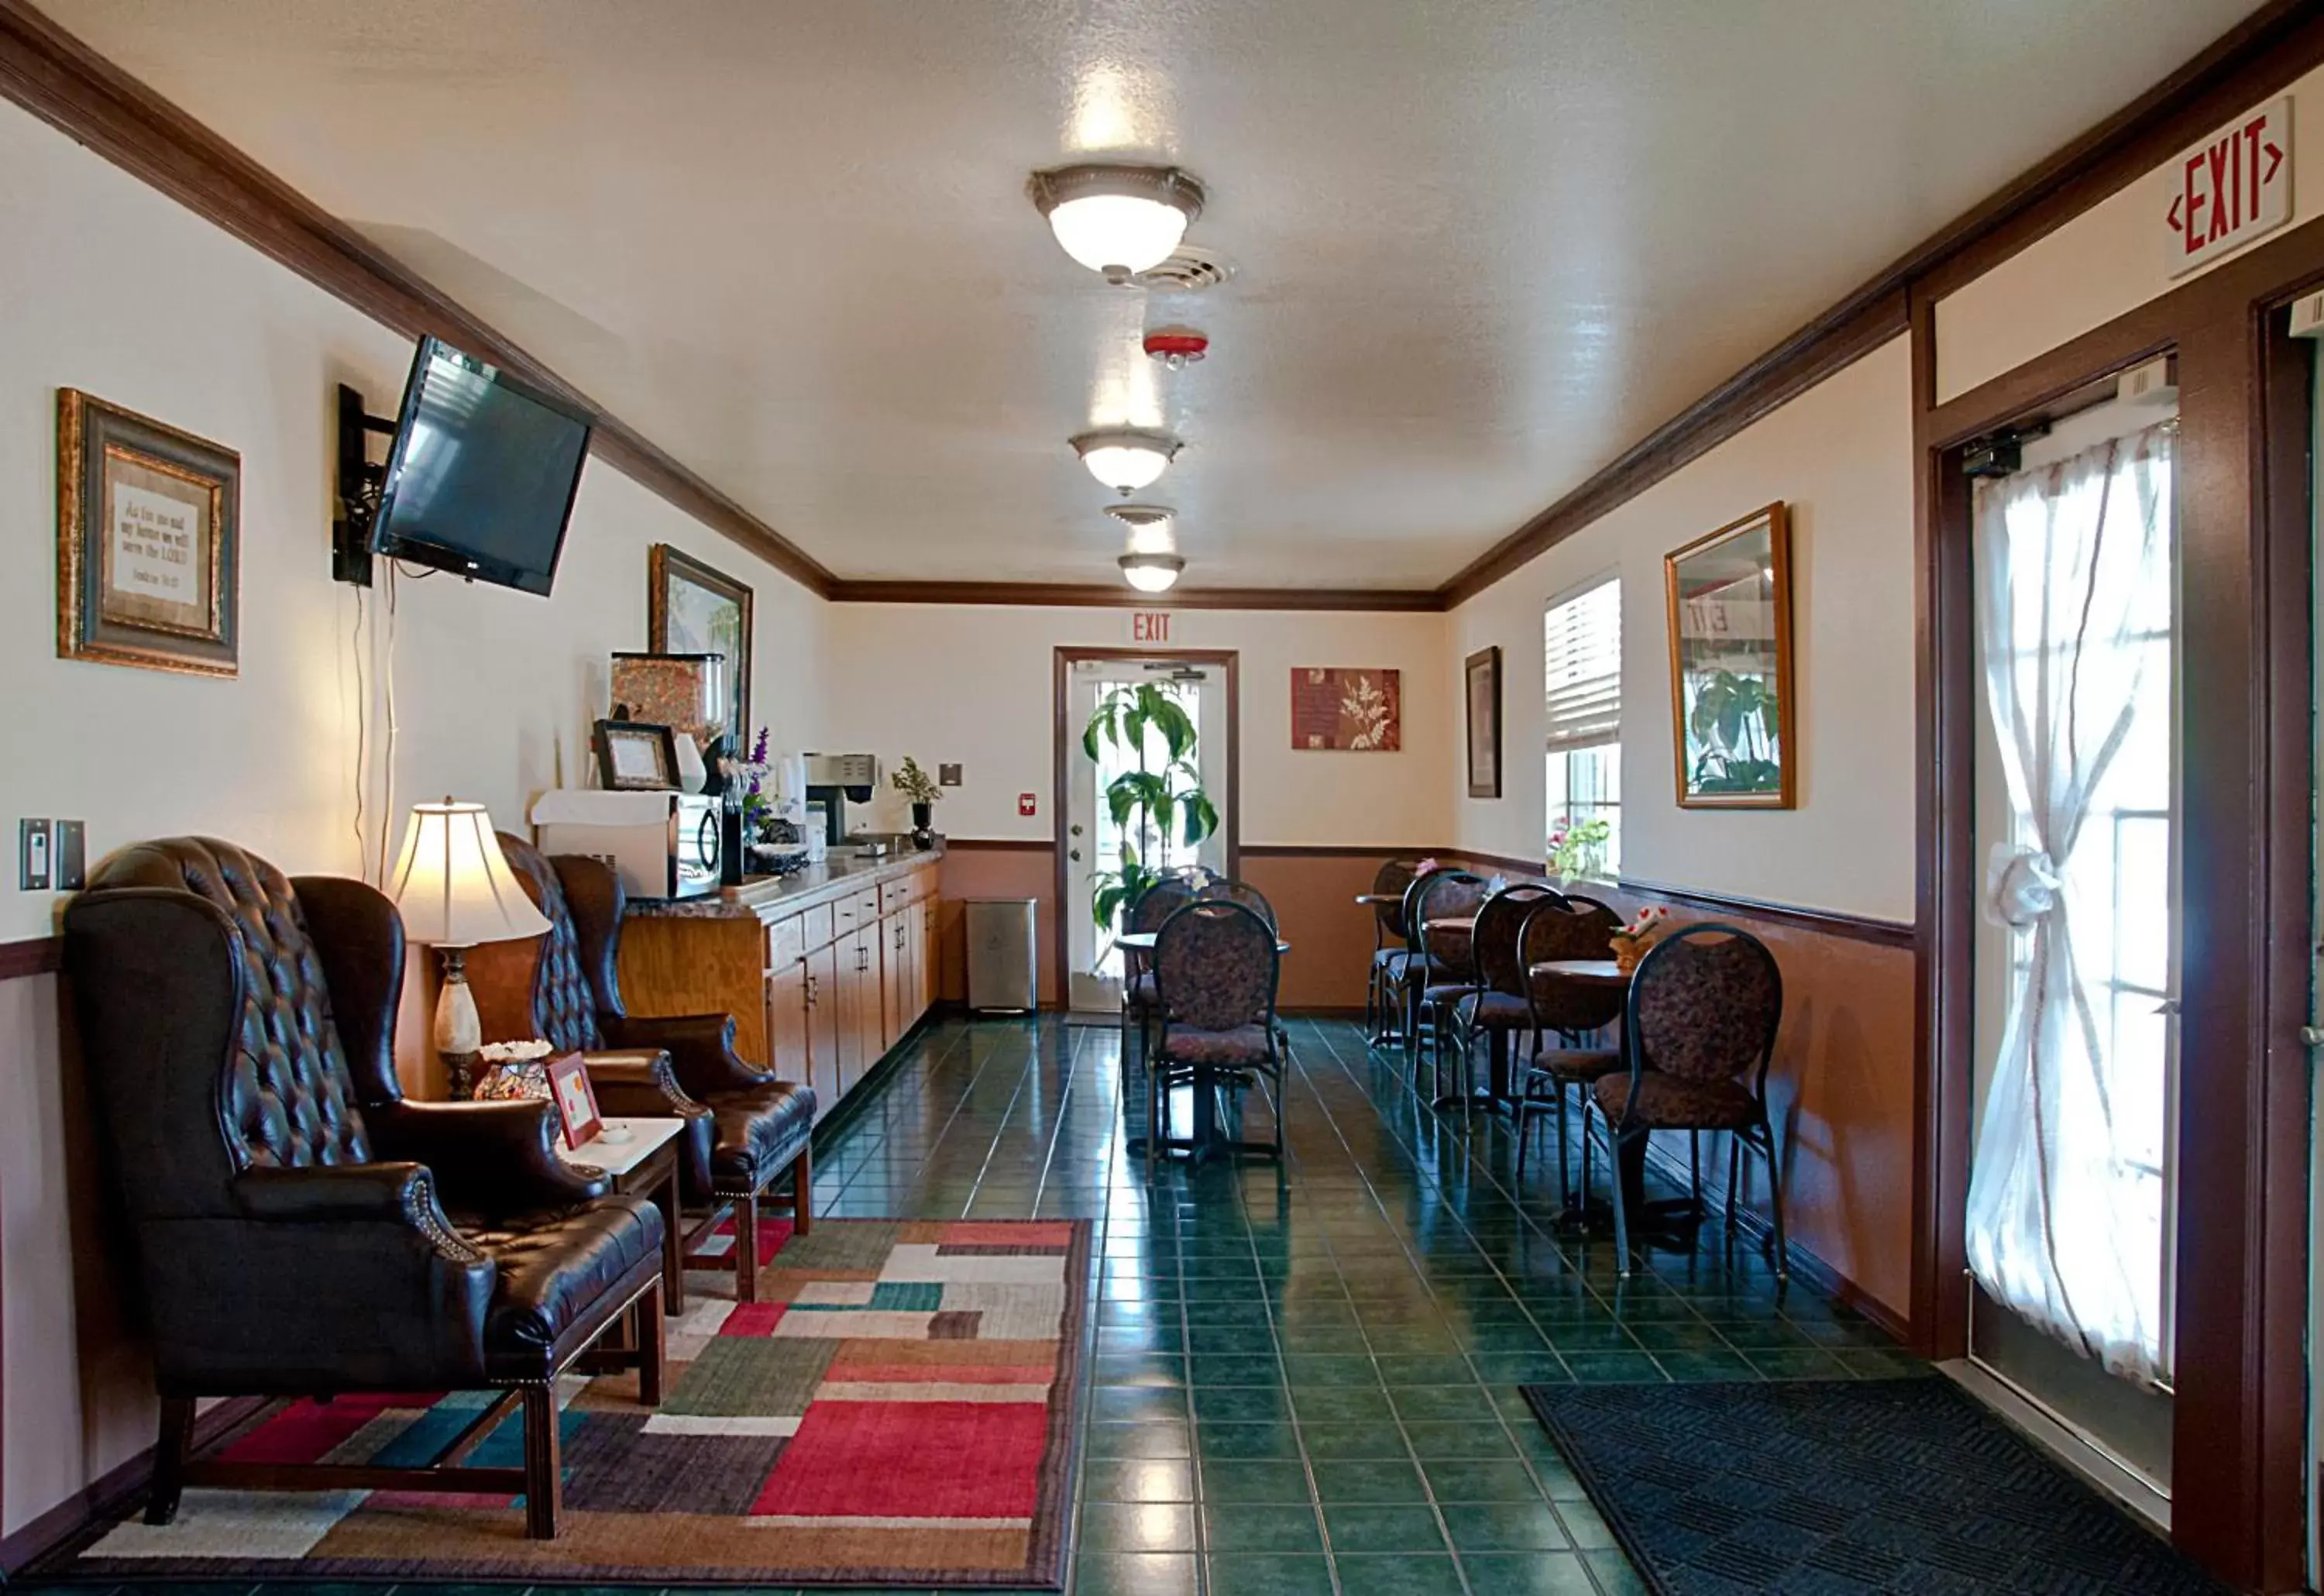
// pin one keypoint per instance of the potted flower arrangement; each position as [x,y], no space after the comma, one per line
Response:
[1631,942]
[913,782]
[1577,849]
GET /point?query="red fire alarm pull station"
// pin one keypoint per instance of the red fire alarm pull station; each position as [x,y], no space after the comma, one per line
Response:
[1025,803]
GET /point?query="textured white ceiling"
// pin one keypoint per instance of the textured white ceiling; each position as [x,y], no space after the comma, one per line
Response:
[1484,245]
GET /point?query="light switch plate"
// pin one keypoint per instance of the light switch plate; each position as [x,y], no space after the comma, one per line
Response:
[68,855]
[32,869]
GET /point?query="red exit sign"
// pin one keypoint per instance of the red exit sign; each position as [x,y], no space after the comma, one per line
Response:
[1149,626]
[2230,188]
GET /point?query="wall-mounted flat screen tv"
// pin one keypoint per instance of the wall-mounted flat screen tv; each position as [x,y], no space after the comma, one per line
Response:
[482,477]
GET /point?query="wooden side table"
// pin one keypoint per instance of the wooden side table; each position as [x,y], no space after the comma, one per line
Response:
[644,1164]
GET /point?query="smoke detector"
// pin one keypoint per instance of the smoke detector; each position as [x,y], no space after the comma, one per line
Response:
[1189,269]
[1178,347]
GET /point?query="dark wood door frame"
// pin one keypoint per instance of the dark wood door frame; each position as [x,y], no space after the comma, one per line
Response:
[1065,737]
[2239,1491]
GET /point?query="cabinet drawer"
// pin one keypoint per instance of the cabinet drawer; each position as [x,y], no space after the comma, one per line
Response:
[859,908]
[894,895]
[815,927]
[785,942]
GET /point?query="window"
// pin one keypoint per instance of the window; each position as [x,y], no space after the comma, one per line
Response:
[1582,654]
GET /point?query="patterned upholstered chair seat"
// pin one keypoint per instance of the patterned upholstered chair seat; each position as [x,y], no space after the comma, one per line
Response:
[1667,1102]
[1239,1045]
[1501,1010]
[1577,1064]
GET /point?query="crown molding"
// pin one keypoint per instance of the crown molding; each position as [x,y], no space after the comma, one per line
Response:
[1114,596]
[64,83]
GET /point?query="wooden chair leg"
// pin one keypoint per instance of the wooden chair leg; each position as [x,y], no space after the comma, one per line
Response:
[746,1248]
[651,1346]
[170,1459]
[803,1192]
[544,1467]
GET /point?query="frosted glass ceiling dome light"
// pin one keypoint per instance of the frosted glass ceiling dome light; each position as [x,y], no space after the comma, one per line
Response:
[1125,458]
[1151,572]
[1118,220]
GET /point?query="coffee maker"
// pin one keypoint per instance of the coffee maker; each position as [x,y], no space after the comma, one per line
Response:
[834,781]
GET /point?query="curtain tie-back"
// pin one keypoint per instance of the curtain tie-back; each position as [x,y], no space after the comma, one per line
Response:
[2021,885]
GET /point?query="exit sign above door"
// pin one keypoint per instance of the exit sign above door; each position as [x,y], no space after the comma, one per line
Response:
[1149,626]
[2230,188]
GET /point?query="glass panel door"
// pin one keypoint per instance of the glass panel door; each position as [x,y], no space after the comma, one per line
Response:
[2073,1178]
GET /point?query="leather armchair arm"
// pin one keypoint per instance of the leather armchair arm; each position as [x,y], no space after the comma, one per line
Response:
[387,1192]
[701,1049]
[641,1082]
[495,1158]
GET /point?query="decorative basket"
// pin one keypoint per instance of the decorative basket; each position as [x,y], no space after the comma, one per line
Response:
[1628,950]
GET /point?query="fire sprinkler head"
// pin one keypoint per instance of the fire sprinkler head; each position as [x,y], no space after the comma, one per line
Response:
[1177,347]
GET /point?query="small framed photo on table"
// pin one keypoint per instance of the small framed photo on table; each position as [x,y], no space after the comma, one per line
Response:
[633,756]
[149,533]
[577,1101]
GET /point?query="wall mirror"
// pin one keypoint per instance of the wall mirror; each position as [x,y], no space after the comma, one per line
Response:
[1731,627]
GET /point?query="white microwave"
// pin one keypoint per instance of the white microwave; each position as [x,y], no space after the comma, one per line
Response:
[661,844]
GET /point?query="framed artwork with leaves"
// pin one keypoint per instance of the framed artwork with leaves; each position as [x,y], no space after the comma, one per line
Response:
[1729,594]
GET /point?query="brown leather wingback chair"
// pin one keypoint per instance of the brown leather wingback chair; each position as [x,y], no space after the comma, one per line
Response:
[745,1127]
[300,1227]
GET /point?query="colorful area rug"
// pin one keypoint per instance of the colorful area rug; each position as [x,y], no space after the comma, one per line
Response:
[898,1407]
[1835,1487]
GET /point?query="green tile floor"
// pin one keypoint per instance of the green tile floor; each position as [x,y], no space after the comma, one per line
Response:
[1305,1379]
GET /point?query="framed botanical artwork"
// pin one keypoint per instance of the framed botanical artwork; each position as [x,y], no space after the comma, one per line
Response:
[1729,594]
[635,757]
[1481,693]
[1357,711]
[694,609]
[576,1100]
[149,535]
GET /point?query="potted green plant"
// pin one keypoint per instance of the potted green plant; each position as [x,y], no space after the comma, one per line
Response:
[1147,805]
[1577,849]
[913,782]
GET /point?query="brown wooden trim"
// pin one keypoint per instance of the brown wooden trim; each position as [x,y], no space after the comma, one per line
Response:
[1334,851]
[998,845]
[60,79]
[1823,922]
[1062,739]
[114,1490]
[1485,863]
[35,955]
[1113,595]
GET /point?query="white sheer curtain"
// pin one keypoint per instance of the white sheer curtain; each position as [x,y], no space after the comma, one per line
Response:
[2073,601]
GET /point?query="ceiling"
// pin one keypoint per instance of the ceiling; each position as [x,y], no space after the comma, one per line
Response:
[1482,246]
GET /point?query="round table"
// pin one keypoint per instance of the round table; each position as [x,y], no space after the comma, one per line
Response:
[1588,971]
[1143,942]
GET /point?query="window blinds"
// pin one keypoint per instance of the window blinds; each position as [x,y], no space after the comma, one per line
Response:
[1581,639]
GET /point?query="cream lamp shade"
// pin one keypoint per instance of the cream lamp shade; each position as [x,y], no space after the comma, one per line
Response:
[452,885]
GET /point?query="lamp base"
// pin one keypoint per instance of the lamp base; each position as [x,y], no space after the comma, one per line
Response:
[458,1030]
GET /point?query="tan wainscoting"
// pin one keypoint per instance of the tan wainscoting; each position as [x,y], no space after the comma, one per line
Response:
[995,868]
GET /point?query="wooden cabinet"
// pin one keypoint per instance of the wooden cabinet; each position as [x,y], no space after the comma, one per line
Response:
[822,978]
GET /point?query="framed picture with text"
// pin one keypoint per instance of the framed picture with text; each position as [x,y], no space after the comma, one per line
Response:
[576,1100]
[149,534]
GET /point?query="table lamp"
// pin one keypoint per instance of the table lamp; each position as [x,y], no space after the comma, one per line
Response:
[454,891]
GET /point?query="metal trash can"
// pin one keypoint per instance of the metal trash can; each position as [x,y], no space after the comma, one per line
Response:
[1002,956]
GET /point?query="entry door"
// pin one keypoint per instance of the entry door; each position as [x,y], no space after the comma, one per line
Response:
[2077,566]
[1093,842]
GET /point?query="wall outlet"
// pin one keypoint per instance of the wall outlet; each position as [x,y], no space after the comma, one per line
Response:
[32,867]
[68,850]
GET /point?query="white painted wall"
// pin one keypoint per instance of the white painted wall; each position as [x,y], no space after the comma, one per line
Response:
[2103,263]
[973,683]
[1842,456]
[107,286]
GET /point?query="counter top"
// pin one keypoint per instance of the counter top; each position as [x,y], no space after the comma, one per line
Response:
[762,896]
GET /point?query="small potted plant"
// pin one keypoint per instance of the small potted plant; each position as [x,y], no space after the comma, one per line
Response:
[1577,849]
[1631,942]
[913,782]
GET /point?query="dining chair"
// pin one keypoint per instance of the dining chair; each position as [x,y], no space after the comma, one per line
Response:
[1407,966]
[1146,914]
[1497,1006]
[1215,973]
[1385,899]
[1570,1010]
[1446,971]
[1244,893]
[1705,1005]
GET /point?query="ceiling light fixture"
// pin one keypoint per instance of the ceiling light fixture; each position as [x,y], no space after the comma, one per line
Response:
[1118,220]
[1151,572]
[1150,526]
[1125,458]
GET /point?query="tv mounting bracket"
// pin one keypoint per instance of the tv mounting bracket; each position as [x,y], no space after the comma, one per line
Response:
[361,482]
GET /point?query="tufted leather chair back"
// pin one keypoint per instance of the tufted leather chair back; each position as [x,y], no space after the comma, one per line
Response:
[573,979]
[205,1004]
